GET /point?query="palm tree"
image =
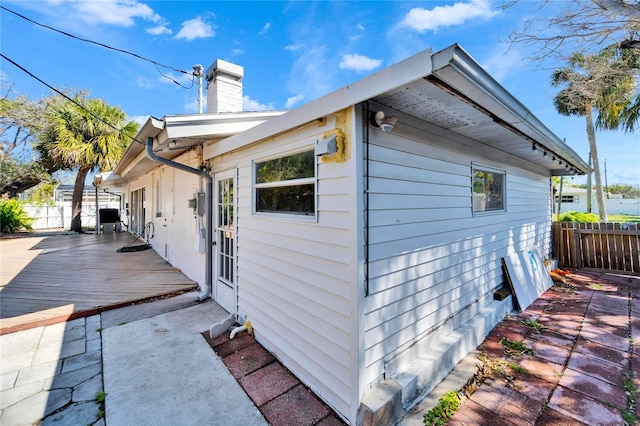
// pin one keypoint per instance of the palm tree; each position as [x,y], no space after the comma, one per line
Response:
[85,134]
[600,83]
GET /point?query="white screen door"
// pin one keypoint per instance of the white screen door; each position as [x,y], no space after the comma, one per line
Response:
[225,260]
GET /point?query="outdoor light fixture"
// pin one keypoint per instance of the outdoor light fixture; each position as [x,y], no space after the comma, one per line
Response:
[383,122]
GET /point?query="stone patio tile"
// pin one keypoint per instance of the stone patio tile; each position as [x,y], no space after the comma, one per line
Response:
[545,370]
[589,332]
[19,344]
[297,407]
[75,377]
[55,353]
[611,304]
[548,352]
[583,408]
[88,389]
[499,332]
[552,417]
[595,367]
[472,413]
[492,348]
[248,360]
[501,400]
[553,338]
[33,408]
[604,352]
[8,380]
[227,347]
[85,413]
[83,360]
[38,372]
[594,388]
[515,325]
[268,383]
[570,328]
[18,393]
[533,387]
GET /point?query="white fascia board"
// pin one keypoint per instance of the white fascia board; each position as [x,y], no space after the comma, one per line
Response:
[151,128]
[212,126]
[404,72]
[455,67]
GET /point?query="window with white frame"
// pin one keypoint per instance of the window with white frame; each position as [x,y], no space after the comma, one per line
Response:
[488,189]
[286,185]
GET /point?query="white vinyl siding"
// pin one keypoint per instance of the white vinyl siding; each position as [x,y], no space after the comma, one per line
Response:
[431,260]
[294,274]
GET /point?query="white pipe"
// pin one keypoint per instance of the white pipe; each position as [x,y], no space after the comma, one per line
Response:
[237,330]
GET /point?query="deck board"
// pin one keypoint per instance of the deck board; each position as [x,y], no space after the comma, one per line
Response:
[47,279]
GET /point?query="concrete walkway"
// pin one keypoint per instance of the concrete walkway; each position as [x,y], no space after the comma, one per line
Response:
[150,361]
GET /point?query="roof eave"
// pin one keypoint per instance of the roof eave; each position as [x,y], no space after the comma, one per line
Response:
[455,67]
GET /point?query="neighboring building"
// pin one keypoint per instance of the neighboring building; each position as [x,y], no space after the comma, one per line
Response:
[362,233]
[575,199]
[59,212]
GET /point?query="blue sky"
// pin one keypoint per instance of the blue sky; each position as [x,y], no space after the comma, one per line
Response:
[292,53]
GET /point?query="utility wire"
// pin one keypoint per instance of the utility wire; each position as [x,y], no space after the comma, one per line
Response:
[157,64]
[71,100]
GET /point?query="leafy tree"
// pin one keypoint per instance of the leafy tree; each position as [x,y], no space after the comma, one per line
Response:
[21,120]
[600,83]
[84,135]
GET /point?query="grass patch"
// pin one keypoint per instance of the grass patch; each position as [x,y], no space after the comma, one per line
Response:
[534,325]
[444,411]
[595,286]
[515,347]
[518,369]
[100,396]
[628,414]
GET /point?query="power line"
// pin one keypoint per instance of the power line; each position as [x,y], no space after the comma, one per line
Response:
[157,64]
[70,99]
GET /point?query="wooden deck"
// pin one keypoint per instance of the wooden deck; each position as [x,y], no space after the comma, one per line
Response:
[48,279]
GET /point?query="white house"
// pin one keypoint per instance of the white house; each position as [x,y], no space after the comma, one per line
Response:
[575,199]
[362,233]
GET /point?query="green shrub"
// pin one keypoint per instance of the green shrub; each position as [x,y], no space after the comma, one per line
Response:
[579,217]
[13,217]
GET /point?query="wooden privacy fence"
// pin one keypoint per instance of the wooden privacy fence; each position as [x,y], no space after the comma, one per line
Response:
[609,246]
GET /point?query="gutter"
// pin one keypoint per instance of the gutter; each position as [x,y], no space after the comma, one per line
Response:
[208,283]
[454,62]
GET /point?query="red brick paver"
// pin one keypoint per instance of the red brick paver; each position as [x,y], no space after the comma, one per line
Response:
[577,372]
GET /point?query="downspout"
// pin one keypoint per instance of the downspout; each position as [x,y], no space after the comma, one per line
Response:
[365,135]
[206,291]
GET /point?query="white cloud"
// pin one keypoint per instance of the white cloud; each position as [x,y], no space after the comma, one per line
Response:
[422,20]
[237,52]
[159,30]
[266,27]
[195,28]
[114,12]
[293,47]
[358,63]
[292,101]
[360,29]
[249,104]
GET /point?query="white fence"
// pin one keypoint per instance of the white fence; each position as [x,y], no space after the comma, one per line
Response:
[59,215]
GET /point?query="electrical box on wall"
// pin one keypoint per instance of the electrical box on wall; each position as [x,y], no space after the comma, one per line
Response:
[192,203]
[202,203]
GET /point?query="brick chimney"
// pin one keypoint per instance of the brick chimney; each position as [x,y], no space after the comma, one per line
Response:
[224,87]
